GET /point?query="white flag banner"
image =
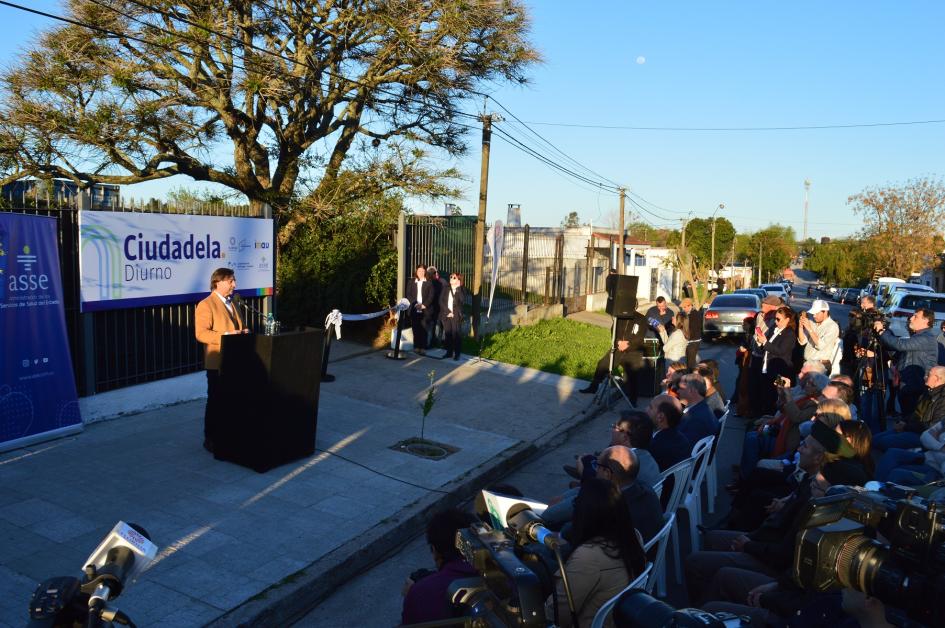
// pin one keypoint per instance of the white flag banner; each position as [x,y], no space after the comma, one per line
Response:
[495,239]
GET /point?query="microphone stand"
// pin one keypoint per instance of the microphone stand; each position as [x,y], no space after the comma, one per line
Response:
[247,307]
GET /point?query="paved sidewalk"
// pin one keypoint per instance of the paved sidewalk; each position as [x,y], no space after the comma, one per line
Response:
[240,547]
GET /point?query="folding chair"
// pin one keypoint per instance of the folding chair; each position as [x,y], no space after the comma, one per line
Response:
[603,611]
[712,477]
[657,577]
[692,501]
[681,473]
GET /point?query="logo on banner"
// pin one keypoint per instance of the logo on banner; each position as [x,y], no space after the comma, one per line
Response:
[26,280]
[106,246]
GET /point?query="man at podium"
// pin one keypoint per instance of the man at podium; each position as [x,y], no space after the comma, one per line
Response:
[216,316]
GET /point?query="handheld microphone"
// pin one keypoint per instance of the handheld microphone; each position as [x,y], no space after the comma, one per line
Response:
[530,527]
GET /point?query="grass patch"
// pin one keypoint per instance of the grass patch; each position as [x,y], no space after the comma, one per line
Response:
[558,345]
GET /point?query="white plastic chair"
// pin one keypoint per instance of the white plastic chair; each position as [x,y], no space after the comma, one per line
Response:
[692,501]
[681,472]
[657,577]
[712,475]
[603,611]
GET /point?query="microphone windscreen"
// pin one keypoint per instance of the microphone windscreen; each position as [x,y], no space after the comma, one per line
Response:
[236,298]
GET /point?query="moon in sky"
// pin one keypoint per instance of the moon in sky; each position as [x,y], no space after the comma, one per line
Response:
[641,60]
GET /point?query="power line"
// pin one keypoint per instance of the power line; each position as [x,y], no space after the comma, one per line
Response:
[815,127]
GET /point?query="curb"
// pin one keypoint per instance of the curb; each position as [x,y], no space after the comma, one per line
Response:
[288,601]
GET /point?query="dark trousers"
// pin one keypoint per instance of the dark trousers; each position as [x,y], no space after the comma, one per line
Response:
[452,333]
[211,413]
[692,355]
[419,322]
[631,362]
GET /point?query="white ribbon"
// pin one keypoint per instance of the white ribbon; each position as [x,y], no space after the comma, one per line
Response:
[335,318]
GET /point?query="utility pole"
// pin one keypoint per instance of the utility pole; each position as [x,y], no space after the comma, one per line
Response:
[721,206]
[761,248]
[481,223]
[620,253]
[806,192]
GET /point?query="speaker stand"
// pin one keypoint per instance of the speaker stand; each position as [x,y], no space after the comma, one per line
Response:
[604,395]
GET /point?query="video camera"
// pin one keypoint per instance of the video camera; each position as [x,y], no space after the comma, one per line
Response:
[838,548]
[515,557]
[65,601]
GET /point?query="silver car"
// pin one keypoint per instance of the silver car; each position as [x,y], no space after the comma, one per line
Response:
[727,314]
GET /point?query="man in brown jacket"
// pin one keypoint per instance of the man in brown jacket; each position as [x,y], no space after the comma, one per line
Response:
[216,316]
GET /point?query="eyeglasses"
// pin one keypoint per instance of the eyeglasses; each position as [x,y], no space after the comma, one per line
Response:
[779,318]
[616,428]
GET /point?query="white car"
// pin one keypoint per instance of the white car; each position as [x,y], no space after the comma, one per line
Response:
[776,289]
[903,304]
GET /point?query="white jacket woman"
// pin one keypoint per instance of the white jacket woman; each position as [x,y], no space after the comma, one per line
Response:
[674,344]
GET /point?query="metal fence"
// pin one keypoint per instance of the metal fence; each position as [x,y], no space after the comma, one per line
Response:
[120,348]
[446,242]
[546,266]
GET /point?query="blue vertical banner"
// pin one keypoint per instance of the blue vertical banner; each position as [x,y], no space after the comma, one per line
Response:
[37,386]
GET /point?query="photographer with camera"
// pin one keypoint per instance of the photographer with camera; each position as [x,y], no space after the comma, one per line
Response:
[605,558]
[819,335]
[425,590]
[914,356]
[869,363]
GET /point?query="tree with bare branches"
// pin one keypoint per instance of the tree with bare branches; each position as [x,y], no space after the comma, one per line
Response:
[903,224]
[271,98]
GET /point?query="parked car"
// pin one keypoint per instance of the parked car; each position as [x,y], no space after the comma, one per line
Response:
[727,314]
[758,292]
[904,304]
[776,289]
[838,295]
[850,295]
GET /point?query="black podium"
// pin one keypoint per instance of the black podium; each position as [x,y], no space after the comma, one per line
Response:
[269,398]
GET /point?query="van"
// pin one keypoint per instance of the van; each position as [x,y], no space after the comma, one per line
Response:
[882,288]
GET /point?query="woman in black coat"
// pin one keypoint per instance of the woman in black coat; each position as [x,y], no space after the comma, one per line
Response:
[451,315]
[778,345]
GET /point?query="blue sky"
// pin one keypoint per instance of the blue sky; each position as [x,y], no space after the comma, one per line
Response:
[722,64]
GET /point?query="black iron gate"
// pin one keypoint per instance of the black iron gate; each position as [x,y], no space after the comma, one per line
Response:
[446,242]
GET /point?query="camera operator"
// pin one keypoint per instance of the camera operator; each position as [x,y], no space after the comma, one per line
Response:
[914,356]
[425,591]
[628,354]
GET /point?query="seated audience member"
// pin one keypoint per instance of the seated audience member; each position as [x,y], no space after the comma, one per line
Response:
[914,468]
[831,410]
[769,549]
[619,435]
[641,435]
[605,557]
[713,396]
[860,438]
[930,408]
[620,465]
[781,434]
[426,599]
[669,446]
[698,419]
[846,392]
[674,371]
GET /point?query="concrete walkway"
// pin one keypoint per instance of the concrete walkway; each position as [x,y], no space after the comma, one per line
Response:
[239,547]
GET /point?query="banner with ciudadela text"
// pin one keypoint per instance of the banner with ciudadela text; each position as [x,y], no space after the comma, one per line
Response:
[37,386]
[129,259]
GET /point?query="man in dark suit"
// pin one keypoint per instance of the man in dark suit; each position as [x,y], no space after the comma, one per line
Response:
[628,354]
[668,446]
[695,332]
[698,419]
[216,316]
[439,285]
[420,294]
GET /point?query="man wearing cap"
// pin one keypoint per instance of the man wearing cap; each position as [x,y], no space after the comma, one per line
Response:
[695,332]
[820,335]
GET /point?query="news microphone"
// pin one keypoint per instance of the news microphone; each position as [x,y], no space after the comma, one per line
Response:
[120,557]
[530,527]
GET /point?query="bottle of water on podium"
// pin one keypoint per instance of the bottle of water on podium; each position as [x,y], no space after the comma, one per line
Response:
[270,327]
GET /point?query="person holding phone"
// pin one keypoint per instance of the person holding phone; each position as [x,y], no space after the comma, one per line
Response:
[777,347]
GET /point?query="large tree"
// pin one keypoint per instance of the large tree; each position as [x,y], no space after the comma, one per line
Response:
[903,223]
[259,96]
[771,248]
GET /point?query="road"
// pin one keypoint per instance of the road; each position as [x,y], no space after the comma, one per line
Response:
[373,599]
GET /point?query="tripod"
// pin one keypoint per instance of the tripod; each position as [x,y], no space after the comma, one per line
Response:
[877,383]
[603,397]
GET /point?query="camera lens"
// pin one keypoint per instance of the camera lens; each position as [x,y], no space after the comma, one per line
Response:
[636,609]
[858,561]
